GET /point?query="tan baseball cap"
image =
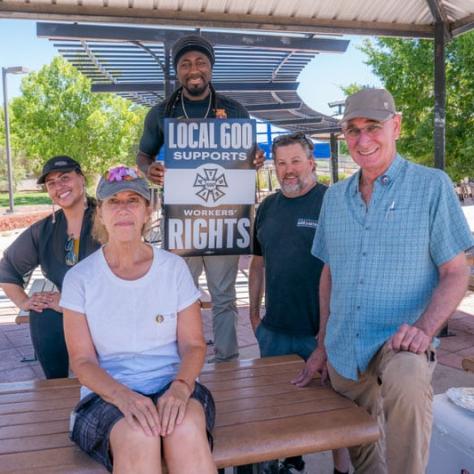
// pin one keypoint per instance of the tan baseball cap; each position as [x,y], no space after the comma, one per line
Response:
[374,104]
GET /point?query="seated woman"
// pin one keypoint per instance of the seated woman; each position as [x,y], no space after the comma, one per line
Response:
[133,330]
[55,243]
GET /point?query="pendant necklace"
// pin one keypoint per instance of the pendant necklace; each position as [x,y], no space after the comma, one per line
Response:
[208,106]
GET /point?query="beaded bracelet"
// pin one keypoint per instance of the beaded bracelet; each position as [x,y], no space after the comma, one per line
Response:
[185,383]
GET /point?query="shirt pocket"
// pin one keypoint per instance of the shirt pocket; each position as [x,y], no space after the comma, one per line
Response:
[407,222]
[403,239]
[397,213]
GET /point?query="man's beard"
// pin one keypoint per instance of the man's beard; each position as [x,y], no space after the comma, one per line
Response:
[301,183]
[196,91]
[291,189]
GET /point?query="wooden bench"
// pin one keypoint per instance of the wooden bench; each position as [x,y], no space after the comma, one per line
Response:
[39,284]
[260,416]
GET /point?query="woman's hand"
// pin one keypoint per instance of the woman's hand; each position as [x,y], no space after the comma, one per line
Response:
[42,300]
[139,411]
[36,302]
[54,297]
[172,406]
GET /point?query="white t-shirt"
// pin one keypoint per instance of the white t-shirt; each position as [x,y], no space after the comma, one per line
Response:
[132,322]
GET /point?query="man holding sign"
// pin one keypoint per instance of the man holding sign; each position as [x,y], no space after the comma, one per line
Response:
[193,58]
[210,186]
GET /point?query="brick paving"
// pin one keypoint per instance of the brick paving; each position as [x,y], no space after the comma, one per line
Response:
[460,343]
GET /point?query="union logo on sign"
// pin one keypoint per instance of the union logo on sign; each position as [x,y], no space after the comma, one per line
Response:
[210,183]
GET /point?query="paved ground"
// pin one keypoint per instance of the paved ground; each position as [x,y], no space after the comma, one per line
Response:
[15,343]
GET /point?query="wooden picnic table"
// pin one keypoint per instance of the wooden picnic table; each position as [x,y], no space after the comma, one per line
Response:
[260,416]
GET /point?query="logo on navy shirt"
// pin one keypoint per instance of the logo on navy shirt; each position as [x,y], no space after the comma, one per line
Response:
[304,222]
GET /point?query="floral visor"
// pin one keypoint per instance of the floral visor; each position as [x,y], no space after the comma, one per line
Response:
[122,178]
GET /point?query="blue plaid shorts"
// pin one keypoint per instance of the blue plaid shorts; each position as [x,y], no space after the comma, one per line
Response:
[94,419]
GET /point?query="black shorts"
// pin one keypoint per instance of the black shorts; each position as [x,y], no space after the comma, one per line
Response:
[95,418]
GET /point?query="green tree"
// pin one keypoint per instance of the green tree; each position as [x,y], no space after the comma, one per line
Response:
[16,156]
[19,171]
[58,114]
[2,127]
[353,88]
[406,69]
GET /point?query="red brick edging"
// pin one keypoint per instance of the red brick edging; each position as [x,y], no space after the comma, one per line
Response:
[18,221]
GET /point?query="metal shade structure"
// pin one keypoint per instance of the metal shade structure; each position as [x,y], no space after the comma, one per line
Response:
[410,18]
[258,70]
[439,20]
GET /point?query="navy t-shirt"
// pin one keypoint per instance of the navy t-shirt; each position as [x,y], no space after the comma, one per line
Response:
[153,138]
[283,234]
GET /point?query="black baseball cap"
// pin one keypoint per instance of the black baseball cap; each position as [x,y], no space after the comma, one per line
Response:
[59,163]
[192,43]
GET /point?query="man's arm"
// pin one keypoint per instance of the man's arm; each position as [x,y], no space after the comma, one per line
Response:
[256,287]
[453,281]
[151,141]
[143,161]
[153,170]
[324,303]
[317,361]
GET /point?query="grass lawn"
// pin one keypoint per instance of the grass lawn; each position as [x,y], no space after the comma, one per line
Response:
[25,198]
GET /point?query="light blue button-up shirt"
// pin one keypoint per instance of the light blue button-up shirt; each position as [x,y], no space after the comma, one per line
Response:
[384,257]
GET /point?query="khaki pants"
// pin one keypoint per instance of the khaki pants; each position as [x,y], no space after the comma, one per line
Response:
[396,389]
[221,273]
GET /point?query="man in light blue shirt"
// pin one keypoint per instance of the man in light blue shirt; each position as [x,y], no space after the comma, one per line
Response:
[392,238]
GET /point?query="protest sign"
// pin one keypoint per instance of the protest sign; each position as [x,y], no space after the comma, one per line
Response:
[209,186]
